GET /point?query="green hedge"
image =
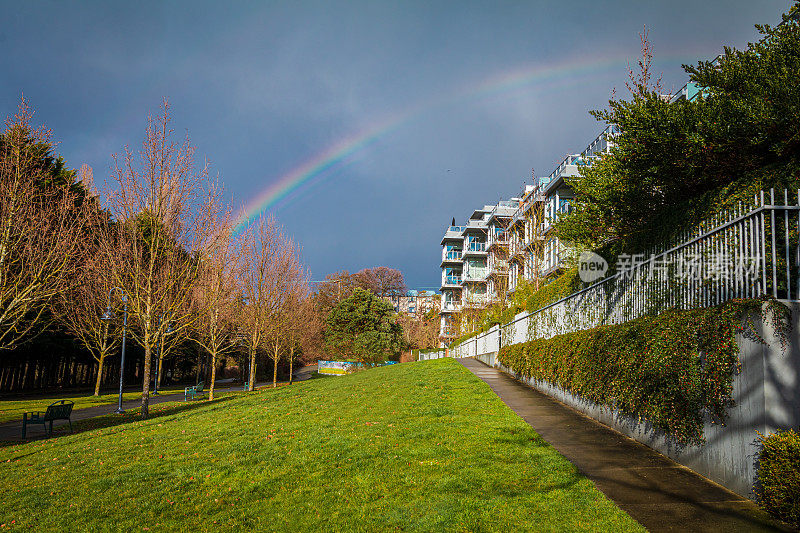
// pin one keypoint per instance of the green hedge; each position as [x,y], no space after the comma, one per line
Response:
[778,487]
[668,370]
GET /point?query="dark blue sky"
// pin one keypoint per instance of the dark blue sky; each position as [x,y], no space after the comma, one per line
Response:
[264,86]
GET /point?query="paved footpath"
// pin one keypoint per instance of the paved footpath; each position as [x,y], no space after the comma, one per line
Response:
[12,431]
[657,492]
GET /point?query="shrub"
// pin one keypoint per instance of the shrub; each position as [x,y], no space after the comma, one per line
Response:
[778,487]
[669,370]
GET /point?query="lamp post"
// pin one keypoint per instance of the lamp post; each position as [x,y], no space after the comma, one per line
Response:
[249,371]
[109,315]
[160,351]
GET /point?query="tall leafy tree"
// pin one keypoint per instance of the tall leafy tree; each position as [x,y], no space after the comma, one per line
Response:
[682,159]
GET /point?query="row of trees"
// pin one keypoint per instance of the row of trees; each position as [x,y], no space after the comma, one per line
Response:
[155,247]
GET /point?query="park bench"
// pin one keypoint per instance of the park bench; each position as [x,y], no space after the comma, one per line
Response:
[192,392]
[60,410]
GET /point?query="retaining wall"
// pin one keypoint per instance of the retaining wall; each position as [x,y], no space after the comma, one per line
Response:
[766,392]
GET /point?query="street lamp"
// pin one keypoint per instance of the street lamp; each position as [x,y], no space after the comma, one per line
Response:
[109,315]
[160,351]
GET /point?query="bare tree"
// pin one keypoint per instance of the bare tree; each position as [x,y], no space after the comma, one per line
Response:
[217,299]
[335,288]
[381,281]
[311,328]
[40,224]
[81,306]
[165,208]
[302,318]
[261,248]
[639,83]
[283,296]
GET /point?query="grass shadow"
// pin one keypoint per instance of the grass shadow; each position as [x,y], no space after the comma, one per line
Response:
[111,420]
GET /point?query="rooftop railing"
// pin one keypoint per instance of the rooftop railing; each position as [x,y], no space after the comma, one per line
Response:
[601,144]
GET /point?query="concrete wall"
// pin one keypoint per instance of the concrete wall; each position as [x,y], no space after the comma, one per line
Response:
[767,396]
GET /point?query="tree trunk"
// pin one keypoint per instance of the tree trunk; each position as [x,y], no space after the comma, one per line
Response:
[160,367]
[99,375]
[213,376]
[197,371]
[252,384]
[148,352]
[291,362]
[275,367]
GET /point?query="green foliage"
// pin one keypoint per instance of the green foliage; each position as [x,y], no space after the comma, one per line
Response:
[668,370]
[48,170]
[464,337]
[524,298]
[364,328]
[675,162]
[409,447]
[558,288]
[778,486]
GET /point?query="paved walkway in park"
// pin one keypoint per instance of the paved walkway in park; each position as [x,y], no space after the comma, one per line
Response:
[12,431]
[657,492]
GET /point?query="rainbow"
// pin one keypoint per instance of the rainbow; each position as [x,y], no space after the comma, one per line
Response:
[334,157]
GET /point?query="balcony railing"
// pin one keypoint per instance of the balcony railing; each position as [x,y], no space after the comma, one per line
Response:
[476,299]
[451,255]
[478,274]
[451,306]
[451,280]
[601,144]
[475,247]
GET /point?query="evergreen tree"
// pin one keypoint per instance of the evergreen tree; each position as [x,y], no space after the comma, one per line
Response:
[363,327]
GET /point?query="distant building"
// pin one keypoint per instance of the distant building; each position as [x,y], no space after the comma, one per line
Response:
[415,302]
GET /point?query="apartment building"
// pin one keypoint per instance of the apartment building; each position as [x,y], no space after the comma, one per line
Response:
[474,259]
[514,240]
[452,264]
[497,248]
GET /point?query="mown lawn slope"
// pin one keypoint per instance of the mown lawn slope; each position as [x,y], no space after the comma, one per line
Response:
[415,446]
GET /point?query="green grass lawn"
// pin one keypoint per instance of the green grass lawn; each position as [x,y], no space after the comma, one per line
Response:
[415,446]
[12,409]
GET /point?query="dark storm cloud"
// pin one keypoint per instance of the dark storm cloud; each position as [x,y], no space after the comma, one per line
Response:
[262,88]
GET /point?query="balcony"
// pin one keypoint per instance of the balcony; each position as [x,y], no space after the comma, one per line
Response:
[516,248]
[476,275]
[498,238]
[474,248]
[476,300]
[451,306]
[569,166]
[451,282]
[451,256]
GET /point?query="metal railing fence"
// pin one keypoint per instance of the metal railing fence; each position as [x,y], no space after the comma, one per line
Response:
[749,251]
